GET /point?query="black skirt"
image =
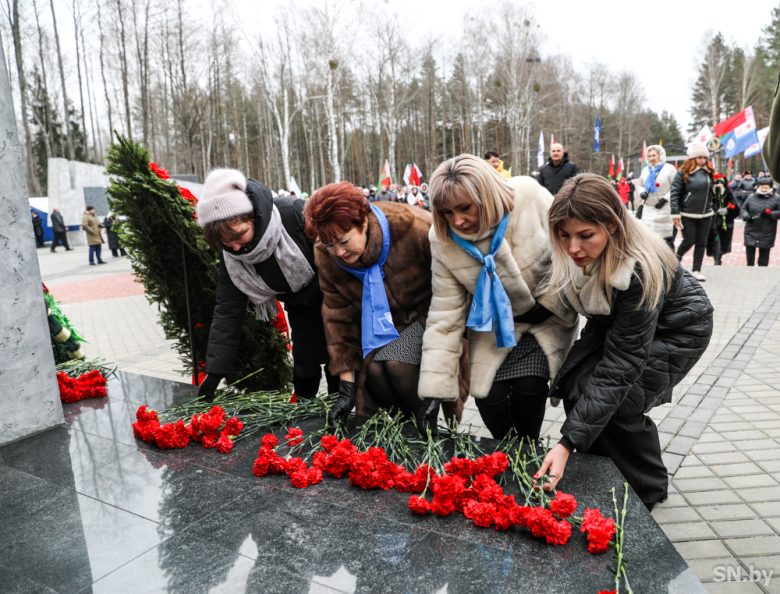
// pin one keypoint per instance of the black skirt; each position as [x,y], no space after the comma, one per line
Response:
[527,358]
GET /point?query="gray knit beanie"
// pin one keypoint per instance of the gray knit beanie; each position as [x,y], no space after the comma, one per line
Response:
[224,196]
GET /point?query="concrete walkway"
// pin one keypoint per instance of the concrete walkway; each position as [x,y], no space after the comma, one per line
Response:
[721,438]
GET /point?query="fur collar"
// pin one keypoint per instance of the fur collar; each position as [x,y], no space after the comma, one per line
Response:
[588,297]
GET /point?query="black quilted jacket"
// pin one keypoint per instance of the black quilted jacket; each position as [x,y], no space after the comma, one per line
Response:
[628,361]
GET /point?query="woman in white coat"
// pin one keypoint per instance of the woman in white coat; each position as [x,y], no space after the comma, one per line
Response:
[490,252]
[657,177]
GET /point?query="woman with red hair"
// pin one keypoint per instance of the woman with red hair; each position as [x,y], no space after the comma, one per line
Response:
[374,262]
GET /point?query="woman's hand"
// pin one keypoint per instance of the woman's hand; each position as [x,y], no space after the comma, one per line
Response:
[554,464]
[677,221]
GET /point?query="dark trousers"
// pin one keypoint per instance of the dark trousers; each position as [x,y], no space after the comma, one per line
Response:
[694,232]
[309,352]
[631,441]
[393,384]
[763,255]
[94,252]
[60,237]
[719,240]
[518,402]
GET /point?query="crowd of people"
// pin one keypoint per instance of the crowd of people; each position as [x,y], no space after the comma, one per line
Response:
[90,225]
[475,289]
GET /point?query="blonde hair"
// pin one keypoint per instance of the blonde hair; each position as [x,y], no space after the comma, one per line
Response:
[590,198]
[468,176]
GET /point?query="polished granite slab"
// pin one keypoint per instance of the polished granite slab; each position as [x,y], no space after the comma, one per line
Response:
[87,508]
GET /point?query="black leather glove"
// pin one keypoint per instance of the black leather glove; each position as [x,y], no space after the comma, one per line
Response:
[209,386]
[428,416]
[536,315]
[344,403]
[661,203]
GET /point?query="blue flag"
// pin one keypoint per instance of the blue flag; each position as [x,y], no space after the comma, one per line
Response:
[596,134]
[734,145]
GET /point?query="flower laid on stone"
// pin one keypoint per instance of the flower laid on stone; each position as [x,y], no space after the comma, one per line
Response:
[468,486]
[212,429]
[91,384]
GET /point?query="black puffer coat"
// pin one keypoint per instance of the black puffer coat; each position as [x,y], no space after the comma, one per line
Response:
[761,228]
[553,176]
[694,196]
[628,361]
[231,307]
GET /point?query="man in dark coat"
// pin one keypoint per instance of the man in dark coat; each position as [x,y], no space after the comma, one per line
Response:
[557,169]
[37,228]
[59,229]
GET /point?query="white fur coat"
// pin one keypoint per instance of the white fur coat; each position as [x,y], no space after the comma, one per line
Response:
[521,261]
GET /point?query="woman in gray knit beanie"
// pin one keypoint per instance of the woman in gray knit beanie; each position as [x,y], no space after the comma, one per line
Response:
[265,256]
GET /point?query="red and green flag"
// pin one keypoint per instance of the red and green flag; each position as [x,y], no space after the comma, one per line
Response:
[620,169]
[612,167]
[384,176]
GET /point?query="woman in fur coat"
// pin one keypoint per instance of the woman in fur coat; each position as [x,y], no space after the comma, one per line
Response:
[649,321]
[656,208]
[374,262]
[490,252]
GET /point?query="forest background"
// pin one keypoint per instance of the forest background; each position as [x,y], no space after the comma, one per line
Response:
[332,90]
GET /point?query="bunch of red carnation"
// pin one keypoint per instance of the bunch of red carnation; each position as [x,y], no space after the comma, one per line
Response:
[88,385]
[212,429]
[467,486]
[599,530]
[268,461]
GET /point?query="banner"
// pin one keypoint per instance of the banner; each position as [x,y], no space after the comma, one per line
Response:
[540,151]
[755,148]
[597,134]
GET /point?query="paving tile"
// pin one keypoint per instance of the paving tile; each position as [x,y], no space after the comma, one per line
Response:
[712,497]
[673,500]
[705,568]
[774,523]
[675,515]
[767,454]
[701,549]
[688,472]
[692,428]
[723,458]
[733,588]
[750,480]
[742,468]
[760,494]
[754,545]
[681,444]
[733,511]
[740,528]
[766,510]
[770,465]
[688,531]
[714,447]
[672,461]
[699,484]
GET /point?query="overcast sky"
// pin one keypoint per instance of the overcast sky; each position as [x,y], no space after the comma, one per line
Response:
[661,42]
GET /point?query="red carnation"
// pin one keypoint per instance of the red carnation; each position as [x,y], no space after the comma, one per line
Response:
[224,444]
[599,529]
[731,206]
[329,442]
[419,505]
[294,436]
[159,171]
[657,185]
[563,505]
[768,211]
[269,441]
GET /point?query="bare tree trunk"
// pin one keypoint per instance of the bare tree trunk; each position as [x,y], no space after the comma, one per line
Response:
[76,31]
[44,126]
[34,184]
[101,53]
[66,118]
[330,114]
[124,68]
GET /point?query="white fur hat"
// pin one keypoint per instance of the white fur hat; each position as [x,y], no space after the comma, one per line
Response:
[697,149]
